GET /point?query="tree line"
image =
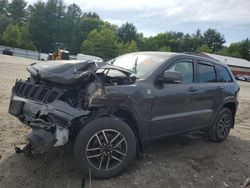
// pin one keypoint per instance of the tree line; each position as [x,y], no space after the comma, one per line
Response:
[40,25]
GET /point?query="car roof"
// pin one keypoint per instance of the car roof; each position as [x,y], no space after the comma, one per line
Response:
[156,53]
[166,55]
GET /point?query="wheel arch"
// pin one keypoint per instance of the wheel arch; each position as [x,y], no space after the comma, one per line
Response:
[232,106]
[125,114]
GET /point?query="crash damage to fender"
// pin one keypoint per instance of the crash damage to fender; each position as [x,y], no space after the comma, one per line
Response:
[59,97]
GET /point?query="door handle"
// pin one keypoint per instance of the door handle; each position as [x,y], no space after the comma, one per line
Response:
[220,88]
[192,89]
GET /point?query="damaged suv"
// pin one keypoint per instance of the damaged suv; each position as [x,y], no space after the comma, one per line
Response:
[110,109]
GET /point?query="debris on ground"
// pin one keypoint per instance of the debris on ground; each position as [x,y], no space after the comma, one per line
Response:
[246,184]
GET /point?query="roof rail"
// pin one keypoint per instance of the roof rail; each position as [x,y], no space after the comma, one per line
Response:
[201,54]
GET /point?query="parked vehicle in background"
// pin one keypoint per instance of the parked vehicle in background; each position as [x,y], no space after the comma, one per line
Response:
[49,56]
[247,77]
[243,78]
[8,51]
[60,52]
[29,54]
[44,57]
[240,77]
[111,109]
[88,57]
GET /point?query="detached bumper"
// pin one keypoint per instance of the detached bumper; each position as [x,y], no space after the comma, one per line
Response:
[58,113]
[49,122]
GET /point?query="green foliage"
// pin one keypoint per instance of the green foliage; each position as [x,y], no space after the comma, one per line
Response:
[4,22]
[26,41]
[52,22]
[131,47]
[177,41]
[180,42]
[17,11]
[3,7]
[74,12]
[101,43]
[165,49]
[42,24]
[16,36]
[204,48]
[12,36]
[197,38]
[126,33]
[38,26]
[108,25]
[234,50]
[128,48]
[90,45]
[71,28]
[149,44]
[91,15]
[213,39]
[87,24]
[240,49]
[224,51]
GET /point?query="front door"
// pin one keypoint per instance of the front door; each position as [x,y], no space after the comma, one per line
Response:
[173,107]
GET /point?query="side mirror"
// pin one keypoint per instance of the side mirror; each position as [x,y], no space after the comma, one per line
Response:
[170,77]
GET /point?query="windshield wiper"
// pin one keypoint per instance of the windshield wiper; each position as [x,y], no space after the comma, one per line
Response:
[135,65]
[112,61]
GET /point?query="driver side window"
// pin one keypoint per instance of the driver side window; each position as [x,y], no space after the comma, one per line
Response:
[186,68]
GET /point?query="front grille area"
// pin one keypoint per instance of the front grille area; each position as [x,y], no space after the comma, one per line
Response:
[35,92]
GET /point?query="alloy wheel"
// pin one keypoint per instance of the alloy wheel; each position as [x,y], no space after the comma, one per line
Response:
[224,125]
[106,149]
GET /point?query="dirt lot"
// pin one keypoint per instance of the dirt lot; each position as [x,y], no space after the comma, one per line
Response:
[172,162]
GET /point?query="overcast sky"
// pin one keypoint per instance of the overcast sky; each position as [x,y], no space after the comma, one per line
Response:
[230,17]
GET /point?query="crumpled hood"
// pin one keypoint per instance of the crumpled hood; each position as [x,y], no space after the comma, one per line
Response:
[68,72]
[62,72]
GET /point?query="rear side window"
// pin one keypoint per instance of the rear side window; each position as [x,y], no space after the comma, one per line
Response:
[223,74]
[206,73]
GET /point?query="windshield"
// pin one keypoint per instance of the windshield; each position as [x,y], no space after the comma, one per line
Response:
[141,64]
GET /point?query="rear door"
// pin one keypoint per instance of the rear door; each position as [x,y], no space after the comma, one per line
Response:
[225,82]
[207,95]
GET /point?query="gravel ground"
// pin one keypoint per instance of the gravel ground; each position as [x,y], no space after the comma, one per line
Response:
[171,162]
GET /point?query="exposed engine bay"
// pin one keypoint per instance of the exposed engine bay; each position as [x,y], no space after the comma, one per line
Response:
[59,97]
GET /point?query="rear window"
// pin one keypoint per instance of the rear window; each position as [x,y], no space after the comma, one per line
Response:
[223,74]
[206,73]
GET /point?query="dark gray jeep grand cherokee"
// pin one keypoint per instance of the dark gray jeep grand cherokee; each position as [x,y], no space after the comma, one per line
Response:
[112,108]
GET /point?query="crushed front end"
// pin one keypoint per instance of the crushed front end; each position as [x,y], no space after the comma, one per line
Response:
[45,110]
[57,98]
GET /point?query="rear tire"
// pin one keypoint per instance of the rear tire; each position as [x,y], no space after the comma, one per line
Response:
[222,125]
[105,147]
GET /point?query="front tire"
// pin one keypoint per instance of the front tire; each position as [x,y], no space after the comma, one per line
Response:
[222,125]
[105,147]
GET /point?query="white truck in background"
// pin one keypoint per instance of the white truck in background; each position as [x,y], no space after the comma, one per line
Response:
[89,57]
